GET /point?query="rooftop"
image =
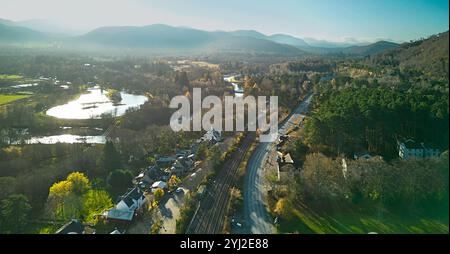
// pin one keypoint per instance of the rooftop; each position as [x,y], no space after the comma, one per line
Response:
[73,227]
[133,194]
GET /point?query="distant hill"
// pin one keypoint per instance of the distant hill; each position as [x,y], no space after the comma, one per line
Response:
[322,47]
[317,43]
[278,38]
[6,22]
[248,33]
[49,27]
[153,36]
[358,51]
[370,49]
[163,37]
[16,34]
[289,40]
[428,55]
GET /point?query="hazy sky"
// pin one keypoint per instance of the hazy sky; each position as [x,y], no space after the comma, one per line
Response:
[336,20]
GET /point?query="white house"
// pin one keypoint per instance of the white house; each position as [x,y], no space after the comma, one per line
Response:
[213,136]
[127,205]
[132,201]
[159,184]
[411,149]
[284,158]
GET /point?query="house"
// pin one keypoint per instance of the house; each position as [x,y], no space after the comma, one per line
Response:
[127,206]
[73,227]
[182,153]
[131,201]
[366,156]
[182,165]
[164,161]
[281,141]
[410,149]
[283,159]
[285,166]
[119,215]
[116,232]
[362,155]
[201,190]
[150,175]
[159,185]
[212,136]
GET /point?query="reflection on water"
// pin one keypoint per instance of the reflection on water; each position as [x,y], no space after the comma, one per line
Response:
[237,88]
[67,138]
[94,104]
[24,85]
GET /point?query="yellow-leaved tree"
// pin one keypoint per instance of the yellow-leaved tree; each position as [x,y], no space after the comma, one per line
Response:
[74,198]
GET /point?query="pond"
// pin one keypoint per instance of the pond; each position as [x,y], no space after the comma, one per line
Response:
[67,138]
[94,104]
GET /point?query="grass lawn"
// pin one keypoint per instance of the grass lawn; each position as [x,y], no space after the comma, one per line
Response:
[10,77]
[362,221]
[8,98]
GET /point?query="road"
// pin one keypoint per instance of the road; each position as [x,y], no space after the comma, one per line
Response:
[257,217]
[209,218]
[169,210]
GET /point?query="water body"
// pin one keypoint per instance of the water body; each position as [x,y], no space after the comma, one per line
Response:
[94,104]
[25,85]
[238,90]
[67,138]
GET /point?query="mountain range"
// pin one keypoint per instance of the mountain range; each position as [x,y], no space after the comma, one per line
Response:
[164,38]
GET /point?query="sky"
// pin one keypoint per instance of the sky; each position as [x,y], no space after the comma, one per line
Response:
[332,20]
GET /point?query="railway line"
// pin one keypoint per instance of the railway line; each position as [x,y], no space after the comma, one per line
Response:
[209,218]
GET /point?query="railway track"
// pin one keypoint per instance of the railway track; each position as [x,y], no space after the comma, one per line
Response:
[210,216]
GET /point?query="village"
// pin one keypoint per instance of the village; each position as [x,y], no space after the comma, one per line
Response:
[158,180]
[150,182]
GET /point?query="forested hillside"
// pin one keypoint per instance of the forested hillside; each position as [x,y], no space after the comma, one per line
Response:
[427,57]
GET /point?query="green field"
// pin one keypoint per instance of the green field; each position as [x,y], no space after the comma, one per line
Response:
[362,221]
[8,98]
[10,77]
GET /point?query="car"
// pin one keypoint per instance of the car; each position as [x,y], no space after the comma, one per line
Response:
[179,190]
[193,175]
[236,223]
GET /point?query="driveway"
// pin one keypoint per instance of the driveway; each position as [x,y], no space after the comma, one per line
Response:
[170,212]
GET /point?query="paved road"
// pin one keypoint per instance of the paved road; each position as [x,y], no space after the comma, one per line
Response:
[257,218]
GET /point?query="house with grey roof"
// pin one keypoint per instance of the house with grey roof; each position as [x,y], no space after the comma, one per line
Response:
[127,206]
[72,227]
